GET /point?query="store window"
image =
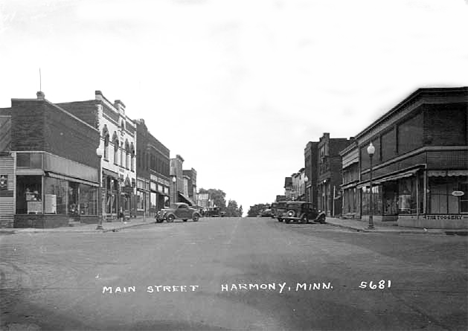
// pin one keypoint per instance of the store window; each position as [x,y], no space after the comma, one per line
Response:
[407,196]
[29,195]
[87,200]
[376,200]
[441,197]
[55,196]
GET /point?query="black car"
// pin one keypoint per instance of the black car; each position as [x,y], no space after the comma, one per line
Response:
[267,213]
[302,212]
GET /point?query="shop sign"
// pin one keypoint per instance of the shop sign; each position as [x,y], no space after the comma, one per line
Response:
[3,182]
[444,217]
[458,193]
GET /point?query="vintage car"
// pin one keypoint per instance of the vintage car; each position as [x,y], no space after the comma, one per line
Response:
[303,212]
[178,210]
[267,213]
[278,208]
[214,212]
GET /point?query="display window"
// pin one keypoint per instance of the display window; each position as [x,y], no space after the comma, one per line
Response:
[441,196]
[29,195]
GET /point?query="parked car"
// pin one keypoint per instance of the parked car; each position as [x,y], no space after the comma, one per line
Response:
[303,212]
[178,210]
[267,213]
[278,208]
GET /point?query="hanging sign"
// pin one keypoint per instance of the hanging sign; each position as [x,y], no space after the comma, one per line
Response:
[458,193]
[3,182]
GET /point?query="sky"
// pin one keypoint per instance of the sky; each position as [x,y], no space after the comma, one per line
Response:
[236,87]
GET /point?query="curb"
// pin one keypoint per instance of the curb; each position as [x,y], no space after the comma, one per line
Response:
[431,231]
[29,230]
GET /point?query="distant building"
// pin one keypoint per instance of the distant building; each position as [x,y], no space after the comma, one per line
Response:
[311,172]
[153,172]
[329,174]
[191,176]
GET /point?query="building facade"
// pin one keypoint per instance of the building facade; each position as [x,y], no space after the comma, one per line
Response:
[351,201]
[49,169]
[153,172]
[191,176]
[329,174]
[310,171]
[118,144]
[420,165]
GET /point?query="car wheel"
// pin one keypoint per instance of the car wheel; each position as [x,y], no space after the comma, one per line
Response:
[184,220]
[286,221]
[280,220]
[170,219]
[195,218]
[322,219]
[304,219]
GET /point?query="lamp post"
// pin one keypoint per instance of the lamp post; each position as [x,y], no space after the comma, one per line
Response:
[99,226]
[371,151]
[306,194]
[174,181]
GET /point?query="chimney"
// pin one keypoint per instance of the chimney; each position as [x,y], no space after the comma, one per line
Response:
[40,95]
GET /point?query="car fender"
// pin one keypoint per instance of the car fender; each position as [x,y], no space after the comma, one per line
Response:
[320,215]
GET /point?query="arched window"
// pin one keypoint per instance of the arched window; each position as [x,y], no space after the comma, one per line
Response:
[132,151]
[105,135]
[127,154]
[115,141]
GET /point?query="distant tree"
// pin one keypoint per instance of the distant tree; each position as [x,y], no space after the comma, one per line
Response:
[232,210]
[218,197]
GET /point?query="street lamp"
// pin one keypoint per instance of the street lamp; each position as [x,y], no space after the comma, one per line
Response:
[174,181]
[371,151]
[99,226]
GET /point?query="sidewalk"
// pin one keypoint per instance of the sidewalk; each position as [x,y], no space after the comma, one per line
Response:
[363,226]
[86,228]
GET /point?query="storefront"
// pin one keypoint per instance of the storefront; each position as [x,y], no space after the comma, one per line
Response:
[47,196]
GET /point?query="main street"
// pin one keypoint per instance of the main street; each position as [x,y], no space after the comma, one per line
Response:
[233,274]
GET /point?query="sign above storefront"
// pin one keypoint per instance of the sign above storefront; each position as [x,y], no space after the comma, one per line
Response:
[458,193]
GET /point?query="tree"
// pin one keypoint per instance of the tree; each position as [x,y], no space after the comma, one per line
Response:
[217,196]
[232,210]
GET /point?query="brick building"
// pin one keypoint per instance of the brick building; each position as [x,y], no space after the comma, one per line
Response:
[118,143]
[49,169]
[420,165]
[191,192]
[153,172]
[329,173]
[310,170]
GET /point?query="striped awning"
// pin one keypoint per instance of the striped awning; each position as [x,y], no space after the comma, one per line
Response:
[389,178]
[447,173]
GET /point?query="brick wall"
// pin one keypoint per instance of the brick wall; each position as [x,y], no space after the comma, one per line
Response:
[27,125]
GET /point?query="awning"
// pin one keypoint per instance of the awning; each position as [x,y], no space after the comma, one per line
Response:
[390,178]
[447,173]
[71,179]
[187,199]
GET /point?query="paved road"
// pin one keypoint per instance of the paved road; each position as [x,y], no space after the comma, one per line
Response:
[233,274]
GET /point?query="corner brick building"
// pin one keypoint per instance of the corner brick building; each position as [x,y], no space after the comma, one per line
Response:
[420,164]
[48,163]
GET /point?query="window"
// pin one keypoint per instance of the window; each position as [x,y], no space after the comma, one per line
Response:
[28,195]
[116,151]
[442,201]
